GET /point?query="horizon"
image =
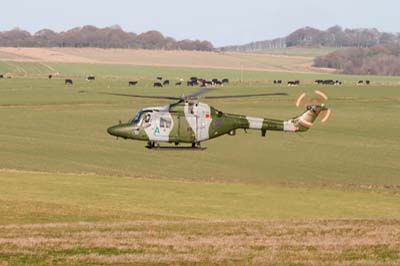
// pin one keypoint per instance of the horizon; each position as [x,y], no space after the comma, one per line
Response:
[111,26]
[222,23]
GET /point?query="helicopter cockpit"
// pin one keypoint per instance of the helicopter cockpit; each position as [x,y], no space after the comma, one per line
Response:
[142,114]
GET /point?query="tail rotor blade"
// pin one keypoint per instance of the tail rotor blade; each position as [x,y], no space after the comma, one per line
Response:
[327,114]
[300,99]
[321,95]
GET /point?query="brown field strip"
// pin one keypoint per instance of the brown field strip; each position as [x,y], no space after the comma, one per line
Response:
[189,242]
[191,59]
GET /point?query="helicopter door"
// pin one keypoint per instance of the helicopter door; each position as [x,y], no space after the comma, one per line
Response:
[198,116]
[159,126]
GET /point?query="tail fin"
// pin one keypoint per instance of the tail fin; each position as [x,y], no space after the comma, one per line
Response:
[304,121]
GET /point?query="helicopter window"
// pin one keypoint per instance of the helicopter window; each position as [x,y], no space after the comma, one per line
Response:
[165,122]
[139,116]
[147,118]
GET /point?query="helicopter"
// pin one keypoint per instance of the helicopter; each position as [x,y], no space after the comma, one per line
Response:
[187,120]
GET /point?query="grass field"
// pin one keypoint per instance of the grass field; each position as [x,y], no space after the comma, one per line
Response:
[72,195]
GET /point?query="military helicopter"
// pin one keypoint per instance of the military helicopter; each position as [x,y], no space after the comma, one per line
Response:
[189,121]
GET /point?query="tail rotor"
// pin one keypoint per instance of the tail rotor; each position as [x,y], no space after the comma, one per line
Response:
[315,104]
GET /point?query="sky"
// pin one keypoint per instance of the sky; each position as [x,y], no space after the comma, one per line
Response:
[223,22]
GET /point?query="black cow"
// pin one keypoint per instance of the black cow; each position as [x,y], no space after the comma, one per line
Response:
[360,82]
[225,81]
[166,82]
[277,81]
[218,83]
[193,78]
[293,82]
[1,76]
[178,84]
[91,77]
[319,81]
[367,82]
[157,85]
[50,76]
[132,83]
[159,78]
[328,82]
[69,82]
[215,81]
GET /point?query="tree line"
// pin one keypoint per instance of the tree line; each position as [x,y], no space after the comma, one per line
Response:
[334,36]
[91,36]
[382,59]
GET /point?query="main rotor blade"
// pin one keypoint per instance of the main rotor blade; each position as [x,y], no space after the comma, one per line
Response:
[138,96]
[246,95]
[196,94]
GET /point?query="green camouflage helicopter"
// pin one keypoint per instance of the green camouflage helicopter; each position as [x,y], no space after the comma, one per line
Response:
[191,121]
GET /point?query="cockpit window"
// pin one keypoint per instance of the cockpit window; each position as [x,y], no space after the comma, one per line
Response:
[139,116]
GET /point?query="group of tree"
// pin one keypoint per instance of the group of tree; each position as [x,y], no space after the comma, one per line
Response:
[382,59]
[90,36]
[332,37]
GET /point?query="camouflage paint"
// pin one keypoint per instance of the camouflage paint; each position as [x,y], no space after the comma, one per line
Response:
[192,122]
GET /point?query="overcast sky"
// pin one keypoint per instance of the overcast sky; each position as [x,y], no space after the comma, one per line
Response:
[222,22]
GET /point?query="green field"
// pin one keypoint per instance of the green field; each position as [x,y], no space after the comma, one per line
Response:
[71,194]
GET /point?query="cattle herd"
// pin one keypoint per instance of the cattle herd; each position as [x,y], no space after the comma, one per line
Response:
[195,81]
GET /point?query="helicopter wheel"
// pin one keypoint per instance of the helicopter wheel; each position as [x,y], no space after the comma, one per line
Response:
[150,144]
[196,144]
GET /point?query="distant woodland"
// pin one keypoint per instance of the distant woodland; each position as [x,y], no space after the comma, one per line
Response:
[90,36]
[383,59]
[360,51]
[333,37]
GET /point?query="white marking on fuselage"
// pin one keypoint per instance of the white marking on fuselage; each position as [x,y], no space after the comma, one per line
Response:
[198,115]
[255,122]
[160,127]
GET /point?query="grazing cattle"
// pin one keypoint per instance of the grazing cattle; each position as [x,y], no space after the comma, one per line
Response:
[69,82]
[328,82]
[178,84]
[367,82]
[91,77]
[166,82]
[133,83]
[1,76]
[293,82]
[360,82]
[193,78]
[225,81]
[215,81]
[159,78]
[319,81]
[157,85]
[218,83]
[192,83]
[277,81]
[50,76]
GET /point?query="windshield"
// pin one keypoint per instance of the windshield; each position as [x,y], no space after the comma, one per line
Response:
[139,116]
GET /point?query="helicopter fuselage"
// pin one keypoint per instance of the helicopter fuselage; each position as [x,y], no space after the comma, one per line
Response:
[195,122]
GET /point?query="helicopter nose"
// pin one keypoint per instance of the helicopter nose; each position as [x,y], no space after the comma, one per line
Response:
[114,131]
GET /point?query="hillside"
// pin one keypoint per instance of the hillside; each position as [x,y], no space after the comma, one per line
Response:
[376,60]
[332,37]
[90,36]
[159,58]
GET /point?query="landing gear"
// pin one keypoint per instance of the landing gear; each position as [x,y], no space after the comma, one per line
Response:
[196,145]
[153,145]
